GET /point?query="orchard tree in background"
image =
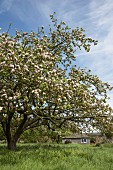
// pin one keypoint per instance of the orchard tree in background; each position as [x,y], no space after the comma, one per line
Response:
[39,85]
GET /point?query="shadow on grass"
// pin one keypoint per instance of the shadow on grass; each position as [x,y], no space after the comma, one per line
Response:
[35,146]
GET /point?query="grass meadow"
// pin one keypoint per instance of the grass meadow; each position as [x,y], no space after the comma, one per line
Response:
[57,157]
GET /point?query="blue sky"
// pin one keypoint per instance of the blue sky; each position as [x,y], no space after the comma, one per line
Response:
[95,16]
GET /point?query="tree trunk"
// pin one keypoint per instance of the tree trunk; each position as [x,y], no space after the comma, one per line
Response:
[11,145]
[58,139]
[12,139]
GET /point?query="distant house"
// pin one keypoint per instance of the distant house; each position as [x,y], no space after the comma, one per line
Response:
[84,138]
[77,138]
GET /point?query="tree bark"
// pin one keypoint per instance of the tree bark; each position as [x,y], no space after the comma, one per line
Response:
[12,139]
[58,139]
[11,145]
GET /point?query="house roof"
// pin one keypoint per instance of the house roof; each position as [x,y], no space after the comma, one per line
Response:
[94,134]
[83,135]
[76,136]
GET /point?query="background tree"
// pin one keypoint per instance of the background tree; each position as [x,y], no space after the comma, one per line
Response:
[38,83]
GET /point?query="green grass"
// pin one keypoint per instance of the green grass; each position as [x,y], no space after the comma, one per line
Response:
[57,157]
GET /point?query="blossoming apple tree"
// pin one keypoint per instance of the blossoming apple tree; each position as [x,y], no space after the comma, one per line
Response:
[38,83]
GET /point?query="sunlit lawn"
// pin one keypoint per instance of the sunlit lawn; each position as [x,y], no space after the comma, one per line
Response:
[57,157]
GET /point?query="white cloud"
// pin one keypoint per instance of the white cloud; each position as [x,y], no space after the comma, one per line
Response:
[5,5]
[102,22]
[100,27]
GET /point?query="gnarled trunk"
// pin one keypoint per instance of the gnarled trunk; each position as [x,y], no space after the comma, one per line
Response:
[11,145]
[13,138]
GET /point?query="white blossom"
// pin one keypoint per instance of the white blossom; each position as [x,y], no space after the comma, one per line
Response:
[1,108]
